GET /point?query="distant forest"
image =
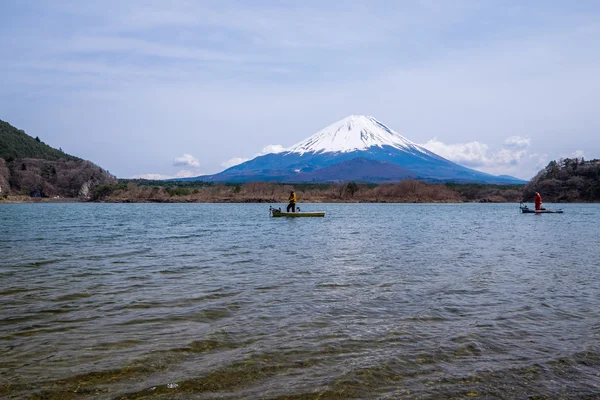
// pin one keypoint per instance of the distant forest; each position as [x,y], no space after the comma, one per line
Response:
[406,191]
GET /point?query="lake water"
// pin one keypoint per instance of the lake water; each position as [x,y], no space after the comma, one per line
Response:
[220,301]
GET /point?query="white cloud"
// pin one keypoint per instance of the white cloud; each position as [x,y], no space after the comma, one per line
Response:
[272,148]
[577,154]
[517,142]
[472,154]
[187,160]
[181,174]
[513,158]
[152,177]
[184,173]
[233,161]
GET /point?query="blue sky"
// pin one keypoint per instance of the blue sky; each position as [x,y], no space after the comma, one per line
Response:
[185,88]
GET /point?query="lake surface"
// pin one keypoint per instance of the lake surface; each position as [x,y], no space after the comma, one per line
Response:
[375,301]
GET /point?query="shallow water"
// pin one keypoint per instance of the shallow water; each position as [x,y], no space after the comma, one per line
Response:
[205,301]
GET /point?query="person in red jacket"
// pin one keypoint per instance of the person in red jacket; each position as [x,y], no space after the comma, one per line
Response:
[538,201]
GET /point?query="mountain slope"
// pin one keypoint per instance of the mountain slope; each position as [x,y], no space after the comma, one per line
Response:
[351,138]
[15,144]
[358,169]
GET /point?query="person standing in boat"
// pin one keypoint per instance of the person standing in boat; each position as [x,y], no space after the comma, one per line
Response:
[292,200]
[538,201]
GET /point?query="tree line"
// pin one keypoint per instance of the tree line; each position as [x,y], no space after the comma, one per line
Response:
[407,191]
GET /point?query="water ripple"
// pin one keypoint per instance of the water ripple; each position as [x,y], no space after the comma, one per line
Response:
[178,301]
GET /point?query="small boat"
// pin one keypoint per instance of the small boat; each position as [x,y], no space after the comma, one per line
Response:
[276,212]
[527,210]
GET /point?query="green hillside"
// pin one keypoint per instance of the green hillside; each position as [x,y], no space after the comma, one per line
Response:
[16,144]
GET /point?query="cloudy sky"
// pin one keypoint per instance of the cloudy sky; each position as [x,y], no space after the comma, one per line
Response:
[180,88]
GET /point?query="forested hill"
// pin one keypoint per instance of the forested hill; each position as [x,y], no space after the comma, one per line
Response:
[566,180]
[29,167]
[16,144]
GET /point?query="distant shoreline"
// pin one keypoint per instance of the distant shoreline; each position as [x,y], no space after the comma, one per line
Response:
[27,199]
[22,200]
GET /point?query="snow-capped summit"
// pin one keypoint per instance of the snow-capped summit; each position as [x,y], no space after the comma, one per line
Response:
[355,132]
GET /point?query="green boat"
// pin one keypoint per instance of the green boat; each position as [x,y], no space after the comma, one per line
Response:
[527,210]
[276,212]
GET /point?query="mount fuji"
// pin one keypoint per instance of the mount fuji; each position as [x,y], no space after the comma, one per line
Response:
[356,148]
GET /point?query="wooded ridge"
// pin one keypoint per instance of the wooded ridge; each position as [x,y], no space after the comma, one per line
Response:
[567,180]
